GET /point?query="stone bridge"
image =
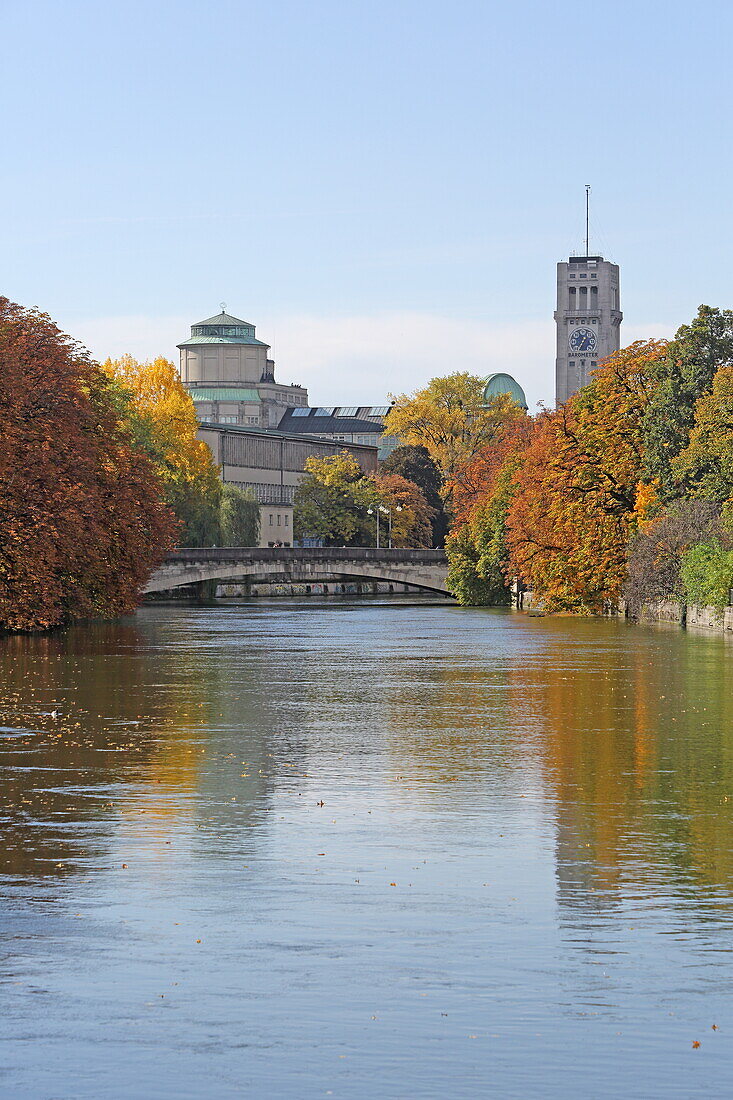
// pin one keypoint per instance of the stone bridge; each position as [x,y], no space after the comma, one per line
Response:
[424,568]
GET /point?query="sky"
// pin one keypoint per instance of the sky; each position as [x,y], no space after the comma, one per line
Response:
[383,189]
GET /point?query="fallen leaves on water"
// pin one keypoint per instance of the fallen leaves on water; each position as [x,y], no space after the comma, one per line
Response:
[695,1045]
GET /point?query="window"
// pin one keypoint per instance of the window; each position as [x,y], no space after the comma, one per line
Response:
[227,420]
[347,412]
[324,412]
[271,521]
[253,419]
[379,410]
[571,362]
[287,521]
[571,276]
[301,412]
[594,276]
[279,520]
[583,276]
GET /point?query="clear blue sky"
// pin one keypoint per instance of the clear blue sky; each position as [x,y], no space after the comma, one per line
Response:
[383,189]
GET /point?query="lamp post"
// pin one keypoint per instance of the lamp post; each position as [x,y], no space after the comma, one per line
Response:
[375,512]
[385,512]
[397,508]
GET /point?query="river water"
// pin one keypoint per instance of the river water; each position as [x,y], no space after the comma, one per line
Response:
[365,850]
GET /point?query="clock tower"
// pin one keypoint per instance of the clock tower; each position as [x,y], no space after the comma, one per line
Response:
[588,320]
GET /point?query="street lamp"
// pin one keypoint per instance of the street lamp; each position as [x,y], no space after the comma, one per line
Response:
[385,512]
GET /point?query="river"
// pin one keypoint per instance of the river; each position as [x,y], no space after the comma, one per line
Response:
[365,849]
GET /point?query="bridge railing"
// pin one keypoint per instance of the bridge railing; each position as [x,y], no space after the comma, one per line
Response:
[307,553]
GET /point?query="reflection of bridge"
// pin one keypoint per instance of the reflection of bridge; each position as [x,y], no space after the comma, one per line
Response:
[425,568]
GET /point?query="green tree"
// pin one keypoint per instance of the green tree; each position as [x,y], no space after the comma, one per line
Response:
[683,375]
[705,467]
[707,574]
[331,502]
[240,518]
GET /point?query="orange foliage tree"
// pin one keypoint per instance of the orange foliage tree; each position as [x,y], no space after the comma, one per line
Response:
[572,513]
[82,519]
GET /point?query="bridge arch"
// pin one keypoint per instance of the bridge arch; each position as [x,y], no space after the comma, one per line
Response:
[424,568]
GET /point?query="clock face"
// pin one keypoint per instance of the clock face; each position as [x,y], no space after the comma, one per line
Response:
[582,339]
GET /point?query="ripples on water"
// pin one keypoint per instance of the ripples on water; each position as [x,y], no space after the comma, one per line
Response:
[301,849]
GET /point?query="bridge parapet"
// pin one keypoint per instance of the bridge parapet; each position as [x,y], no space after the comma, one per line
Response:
[424,568]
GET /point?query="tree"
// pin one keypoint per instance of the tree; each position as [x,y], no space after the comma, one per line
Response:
[573,511]
[240,518]
[82,519]
[411,513]
[705,466]
[414,463]
[682,376]
[477,548]
[656,552]
[707,573]
[331,503]
[452,421]
[166,425]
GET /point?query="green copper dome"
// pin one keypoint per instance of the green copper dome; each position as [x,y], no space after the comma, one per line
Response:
[222,329]
[498,384]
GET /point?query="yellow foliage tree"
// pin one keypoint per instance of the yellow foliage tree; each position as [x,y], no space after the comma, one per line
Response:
[166,425]
[451,419]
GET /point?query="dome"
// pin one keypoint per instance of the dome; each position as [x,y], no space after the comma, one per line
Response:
[498,384]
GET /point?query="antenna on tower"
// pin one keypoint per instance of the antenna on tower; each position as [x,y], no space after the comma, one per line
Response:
[587,220]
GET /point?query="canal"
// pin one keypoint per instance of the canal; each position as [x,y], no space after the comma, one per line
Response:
[365,849]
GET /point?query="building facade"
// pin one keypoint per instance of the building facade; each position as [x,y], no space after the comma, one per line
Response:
[230,376]
[588,320]
[271,464]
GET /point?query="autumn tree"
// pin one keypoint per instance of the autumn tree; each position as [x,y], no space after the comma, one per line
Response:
[166,425]
[451,419]
[82,517]
[411,515]
[477,547]
[570,519]
[414,463]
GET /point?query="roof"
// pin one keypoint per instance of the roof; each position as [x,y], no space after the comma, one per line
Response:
[240,429]
[223,393]
[195,340]
[224,319]
[499,384]
[328,425]
[222,329]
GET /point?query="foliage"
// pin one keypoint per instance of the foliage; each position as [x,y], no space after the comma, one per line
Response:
[411,525]
[414,463]
[571,516]
[82,520]
[240,518]
[682,376]
[476,548]
[330,502]
[707,573]
[705,466]
[333,501]
[450,419]
[656,553]
[165,424]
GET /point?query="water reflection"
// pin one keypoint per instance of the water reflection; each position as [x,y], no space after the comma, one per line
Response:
[519,822]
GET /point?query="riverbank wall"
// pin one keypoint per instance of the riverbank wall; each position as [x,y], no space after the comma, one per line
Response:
[691,616]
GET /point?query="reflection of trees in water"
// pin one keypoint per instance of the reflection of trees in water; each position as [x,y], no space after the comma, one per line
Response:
[115,725]
[638,752]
